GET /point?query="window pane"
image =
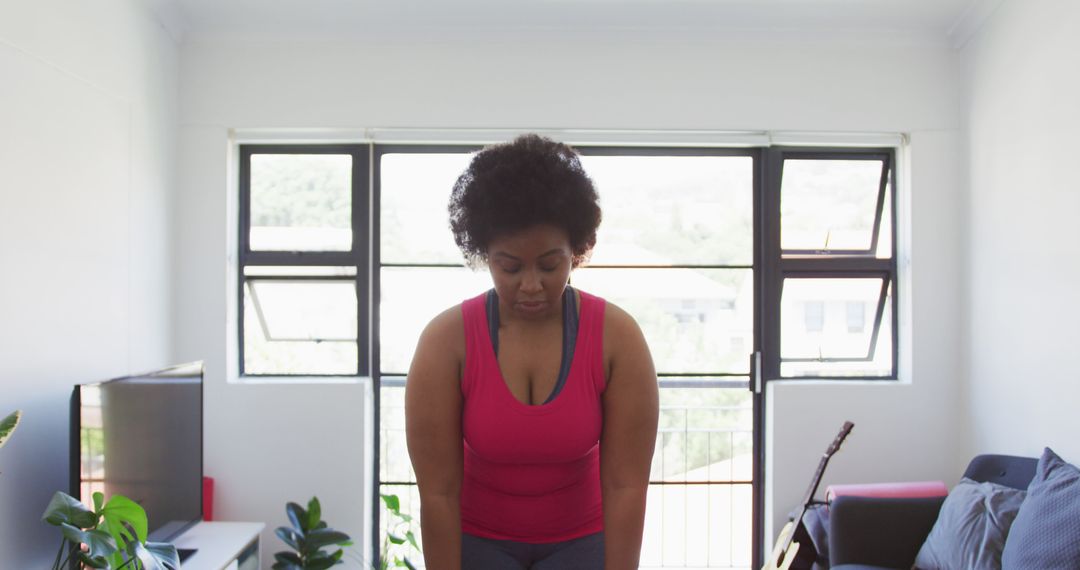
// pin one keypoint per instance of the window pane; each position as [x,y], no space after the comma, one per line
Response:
[410,298]
[815,316]
[695,320]
[828,204]
[705,434]
[300,327]
[396,466]
[856,316]
[845,330]
[415,191]
[409,504]
[698,526]
[305,310]
[301,202]
[674,210]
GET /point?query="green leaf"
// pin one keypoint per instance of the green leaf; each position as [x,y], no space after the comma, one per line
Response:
[64,508]
[116,559]
[288,536]
[99,544]
[322,564]
[392,503]
[412,539]
[314,513]
[120,510]
[139,552]
[337,555]
[93,562]
[165,554]
[297,516]
[286,566]
[73,534]
[8,425]
[288,557]
[99,499]
[404,517]
[321,537]
[409,564]
[395,538]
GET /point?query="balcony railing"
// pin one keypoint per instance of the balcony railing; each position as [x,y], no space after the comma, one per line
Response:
[699,507]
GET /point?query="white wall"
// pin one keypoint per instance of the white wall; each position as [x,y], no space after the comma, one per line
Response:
[855,84]
[1023,267]
[87,139]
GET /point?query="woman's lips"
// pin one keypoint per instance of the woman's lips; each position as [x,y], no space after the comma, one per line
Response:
[531,306]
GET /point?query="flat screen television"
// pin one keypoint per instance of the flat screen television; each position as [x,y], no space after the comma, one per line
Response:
[141,436]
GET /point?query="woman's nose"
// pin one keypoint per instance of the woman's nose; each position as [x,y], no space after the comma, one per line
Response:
[530,281]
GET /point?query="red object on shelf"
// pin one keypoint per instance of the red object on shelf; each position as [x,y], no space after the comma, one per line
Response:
[208,498]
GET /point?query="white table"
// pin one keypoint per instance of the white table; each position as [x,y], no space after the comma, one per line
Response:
[221,545]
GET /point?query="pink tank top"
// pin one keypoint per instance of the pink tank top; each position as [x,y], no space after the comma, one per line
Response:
[532,473]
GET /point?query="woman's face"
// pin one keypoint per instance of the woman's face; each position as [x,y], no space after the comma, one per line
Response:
[530,269]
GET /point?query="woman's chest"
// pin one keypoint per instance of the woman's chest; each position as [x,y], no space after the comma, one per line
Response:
[505,431]
[530,366]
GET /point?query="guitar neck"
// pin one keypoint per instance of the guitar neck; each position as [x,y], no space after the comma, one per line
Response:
[808,499]
[815,482]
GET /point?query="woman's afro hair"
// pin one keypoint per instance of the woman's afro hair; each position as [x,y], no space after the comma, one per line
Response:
[513,186]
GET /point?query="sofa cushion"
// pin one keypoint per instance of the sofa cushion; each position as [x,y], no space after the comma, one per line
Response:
[971,527]
[1046,533]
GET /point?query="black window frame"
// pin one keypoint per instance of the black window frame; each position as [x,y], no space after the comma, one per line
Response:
[358,256]
[780,264]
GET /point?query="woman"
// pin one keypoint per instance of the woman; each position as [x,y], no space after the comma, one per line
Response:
[531,409]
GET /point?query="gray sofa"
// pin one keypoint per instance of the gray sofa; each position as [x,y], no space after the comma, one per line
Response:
[867,533]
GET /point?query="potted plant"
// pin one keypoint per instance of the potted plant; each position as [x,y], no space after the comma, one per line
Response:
[307,536]
[112,535]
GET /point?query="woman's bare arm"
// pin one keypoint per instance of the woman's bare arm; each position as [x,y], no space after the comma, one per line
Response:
[631,411]
[433,431]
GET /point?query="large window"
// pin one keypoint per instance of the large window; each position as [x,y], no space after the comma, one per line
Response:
[718,253]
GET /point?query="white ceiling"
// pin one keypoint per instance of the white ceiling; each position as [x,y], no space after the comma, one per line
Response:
[449,19]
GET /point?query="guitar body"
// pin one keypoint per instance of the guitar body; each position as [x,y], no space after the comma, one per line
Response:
[781,558]
[794,557]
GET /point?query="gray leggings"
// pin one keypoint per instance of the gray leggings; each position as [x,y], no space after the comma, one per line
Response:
[584,553]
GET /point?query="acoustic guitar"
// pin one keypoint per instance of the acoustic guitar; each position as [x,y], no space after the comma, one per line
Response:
[786,549]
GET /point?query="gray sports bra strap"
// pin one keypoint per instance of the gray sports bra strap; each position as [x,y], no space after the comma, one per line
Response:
[570,331]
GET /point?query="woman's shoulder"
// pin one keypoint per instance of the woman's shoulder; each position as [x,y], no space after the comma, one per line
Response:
[618,323]
[614,316]
[442,342]
[447,325]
